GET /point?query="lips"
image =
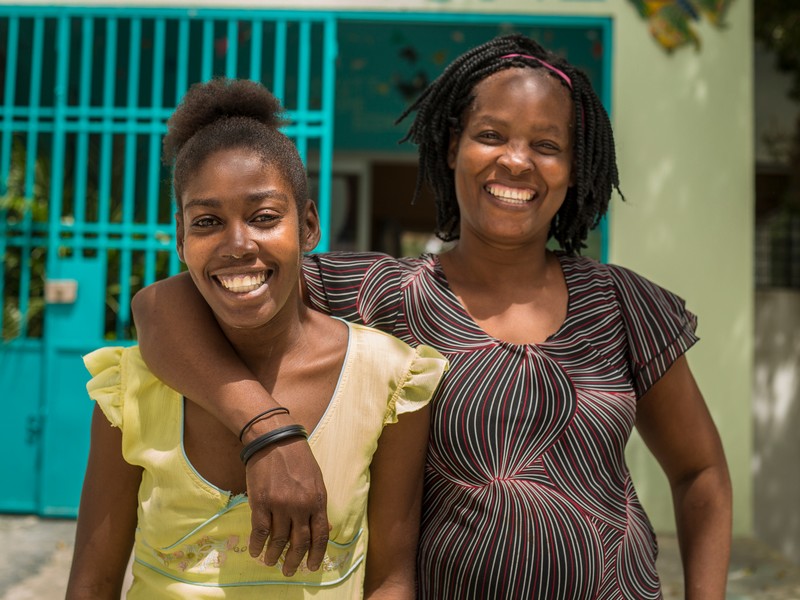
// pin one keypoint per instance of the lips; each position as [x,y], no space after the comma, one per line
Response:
[510,194]
[242,283]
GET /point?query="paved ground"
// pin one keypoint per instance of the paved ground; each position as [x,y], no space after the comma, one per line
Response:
[37,554]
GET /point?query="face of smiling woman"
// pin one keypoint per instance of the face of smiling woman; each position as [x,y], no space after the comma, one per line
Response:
[239,235]
[513,159]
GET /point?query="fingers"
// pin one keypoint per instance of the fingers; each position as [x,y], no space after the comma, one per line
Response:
[287,496]
[300,543]
[320,529]
[260,531]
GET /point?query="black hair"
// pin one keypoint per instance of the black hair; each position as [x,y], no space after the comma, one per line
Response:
[440,109]
[222,114]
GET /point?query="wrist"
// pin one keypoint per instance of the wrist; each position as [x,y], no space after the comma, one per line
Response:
[266,425]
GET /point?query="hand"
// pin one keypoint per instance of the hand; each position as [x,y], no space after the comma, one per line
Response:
[289,504]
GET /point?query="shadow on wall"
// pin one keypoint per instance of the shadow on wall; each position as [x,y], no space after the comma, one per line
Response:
[776,420]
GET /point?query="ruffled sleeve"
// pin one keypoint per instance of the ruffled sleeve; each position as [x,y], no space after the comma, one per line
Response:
[363,288]
[105,387]
[425,372]
[658,325]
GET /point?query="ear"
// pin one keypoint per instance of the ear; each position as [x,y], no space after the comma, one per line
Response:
[311,232]
[179,235]
[452,147]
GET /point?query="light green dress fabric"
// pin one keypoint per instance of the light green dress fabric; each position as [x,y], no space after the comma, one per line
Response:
[191,539]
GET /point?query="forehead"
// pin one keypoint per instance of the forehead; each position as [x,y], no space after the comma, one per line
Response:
[238,162]
[235,171]
[524,91]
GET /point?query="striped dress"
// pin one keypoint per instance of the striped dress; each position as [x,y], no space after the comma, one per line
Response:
[527,494]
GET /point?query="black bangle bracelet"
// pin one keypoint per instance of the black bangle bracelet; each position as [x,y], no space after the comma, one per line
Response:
[260,416]
[276,435]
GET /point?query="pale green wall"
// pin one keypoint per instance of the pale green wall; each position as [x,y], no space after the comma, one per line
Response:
[684,135]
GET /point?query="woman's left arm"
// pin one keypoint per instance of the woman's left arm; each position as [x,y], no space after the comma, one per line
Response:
[395,502]
[677,427]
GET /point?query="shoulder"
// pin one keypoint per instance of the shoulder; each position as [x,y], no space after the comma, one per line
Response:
[410,375]
[384,351]
[378,345]
[122,384]
[621,280]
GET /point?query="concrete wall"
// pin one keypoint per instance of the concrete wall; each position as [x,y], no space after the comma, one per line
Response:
[685,143]
[776,411]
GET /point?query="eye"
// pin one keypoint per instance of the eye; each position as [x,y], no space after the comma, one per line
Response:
[489,136]
[548,147]
[266,218]
[205,222]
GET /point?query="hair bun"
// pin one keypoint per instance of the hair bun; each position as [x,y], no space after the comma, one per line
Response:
[217,99]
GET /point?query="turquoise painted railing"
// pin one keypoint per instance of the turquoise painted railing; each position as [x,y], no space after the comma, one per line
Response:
[86,97]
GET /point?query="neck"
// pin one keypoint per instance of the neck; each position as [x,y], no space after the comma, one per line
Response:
[264,348]
[495,265]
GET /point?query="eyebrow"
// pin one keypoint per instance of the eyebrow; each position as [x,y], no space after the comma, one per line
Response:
[493,121]
[255,197]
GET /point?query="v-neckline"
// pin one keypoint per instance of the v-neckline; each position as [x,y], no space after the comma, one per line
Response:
[438,270]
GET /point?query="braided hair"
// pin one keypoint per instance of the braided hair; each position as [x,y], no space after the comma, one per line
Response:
[222,114]
[440,109]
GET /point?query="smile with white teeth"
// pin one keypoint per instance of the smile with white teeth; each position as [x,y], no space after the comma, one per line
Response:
[241,284]
[511,195]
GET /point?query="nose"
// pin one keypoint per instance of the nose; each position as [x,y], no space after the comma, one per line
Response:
[516,158]
[238,243]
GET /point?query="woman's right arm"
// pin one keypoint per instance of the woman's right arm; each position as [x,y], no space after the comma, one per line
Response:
[184,347]
[106,518]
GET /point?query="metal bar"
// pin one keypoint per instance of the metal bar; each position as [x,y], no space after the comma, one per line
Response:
[279,66]
[10,88]
[154,166]
[181,86]
[182,66]
[608,84]
[303,77]
[126,12]
[107,139]
[129,177]
[232,49]
[32,143]
[318,16]
[329,53]
[73,113]
[82,151]
[207,68]
[256,49]
[59,143]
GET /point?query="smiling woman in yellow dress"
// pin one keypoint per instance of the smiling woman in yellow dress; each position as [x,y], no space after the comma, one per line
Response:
[167,479]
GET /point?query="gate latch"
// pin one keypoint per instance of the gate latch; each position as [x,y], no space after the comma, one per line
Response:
[60,291]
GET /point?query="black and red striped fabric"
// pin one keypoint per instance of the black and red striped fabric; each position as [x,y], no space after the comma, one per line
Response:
[527,494]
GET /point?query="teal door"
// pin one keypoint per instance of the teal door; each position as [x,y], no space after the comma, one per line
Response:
[86,213]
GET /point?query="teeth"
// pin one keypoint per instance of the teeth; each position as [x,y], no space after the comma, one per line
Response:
[242,283]
[513,195]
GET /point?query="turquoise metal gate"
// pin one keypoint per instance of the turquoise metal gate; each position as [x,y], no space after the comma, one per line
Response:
[86,213]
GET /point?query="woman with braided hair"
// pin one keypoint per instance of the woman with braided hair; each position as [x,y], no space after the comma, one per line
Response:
[554,358]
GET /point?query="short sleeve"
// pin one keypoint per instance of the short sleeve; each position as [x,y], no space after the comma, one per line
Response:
[658,325]
[361,288]
[105,387]
[422,379]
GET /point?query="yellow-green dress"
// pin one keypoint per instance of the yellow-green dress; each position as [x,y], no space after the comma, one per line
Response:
[191,537]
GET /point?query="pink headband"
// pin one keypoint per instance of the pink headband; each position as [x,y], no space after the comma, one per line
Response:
[558,72]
